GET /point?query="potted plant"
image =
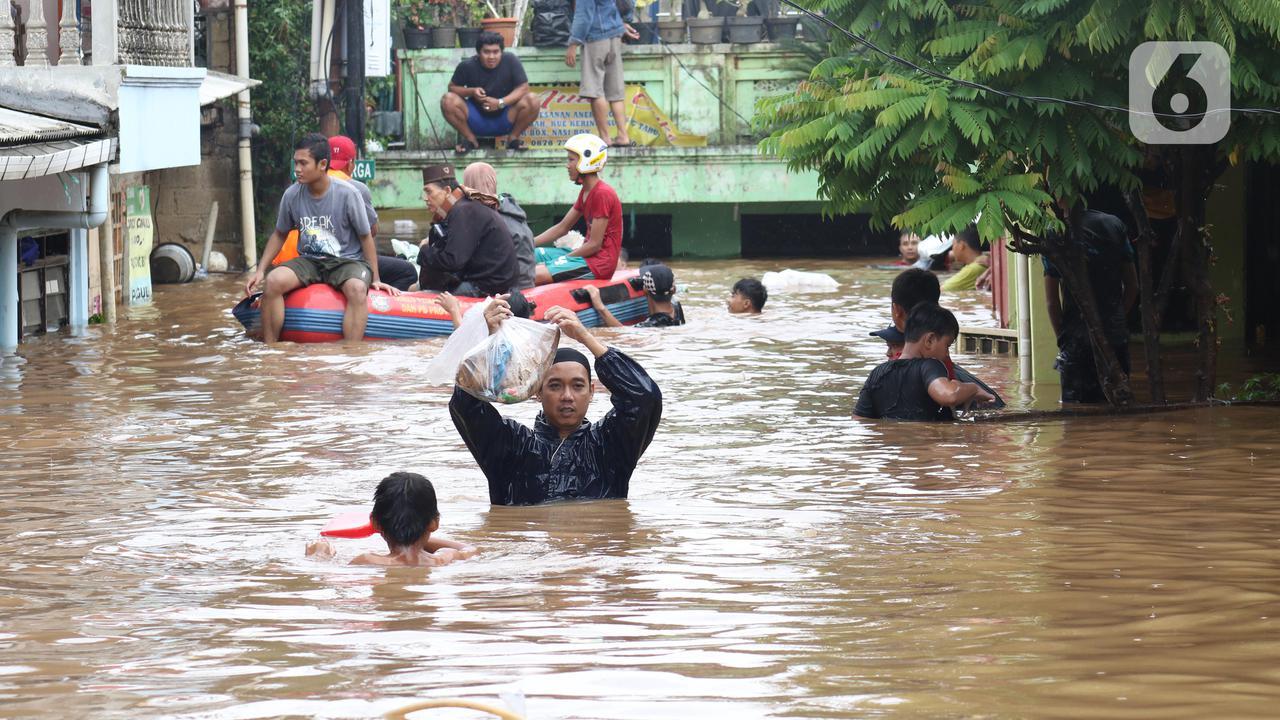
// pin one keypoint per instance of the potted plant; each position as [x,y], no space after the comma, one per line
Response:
[671,28]
[505,18]
[745,28]
[781,26]
[706,29]
[418,16]
[468,15]
[444,34]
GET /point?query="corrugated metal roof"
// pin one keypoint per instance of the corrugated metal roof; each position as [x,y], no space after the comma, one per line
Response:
[22,128]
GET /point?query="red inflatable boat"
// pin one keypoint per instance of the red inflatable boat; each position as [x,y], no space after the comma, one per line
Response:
[314,313]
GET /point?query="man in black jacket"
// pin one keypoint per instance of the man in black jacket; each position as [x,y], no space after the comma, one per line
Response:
[563,456]
[474,255]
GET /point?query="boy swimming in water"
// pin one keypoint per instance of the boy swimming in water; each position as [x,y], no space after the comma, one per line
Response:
[747,297]
[405,514]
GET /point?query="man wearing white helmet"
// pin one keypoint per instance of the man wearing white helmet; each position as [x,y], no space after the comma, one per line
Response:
[597,202]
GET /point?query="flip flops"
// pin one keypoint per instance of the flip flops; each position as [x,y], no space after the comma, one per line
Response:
[517,145]
[621,145]
[464,147]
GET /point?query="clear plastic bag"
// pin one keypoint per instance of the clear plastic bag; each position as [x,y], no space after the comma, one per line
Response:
[508,366]
[443,368]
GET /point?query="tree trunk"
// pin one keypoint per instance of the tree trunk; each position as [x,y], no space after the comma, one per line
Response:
[1197,177]
[1147,299]
[1067,254]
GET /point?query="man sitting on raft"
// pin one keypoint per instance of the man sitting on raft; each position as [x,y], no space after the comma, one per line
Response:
[597,257]
[563,456]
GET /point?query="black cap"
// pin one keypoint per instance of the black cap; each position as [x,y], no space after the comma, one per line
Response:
[891,335]
[659,281]
[521,306]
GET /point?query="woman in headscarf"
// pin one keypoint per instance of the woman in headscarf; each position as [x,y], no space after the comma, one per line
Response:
[482,177]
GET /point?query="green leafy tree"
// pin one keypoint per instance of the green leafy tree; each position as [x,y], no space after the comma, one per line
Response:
[279,55]
[961,135]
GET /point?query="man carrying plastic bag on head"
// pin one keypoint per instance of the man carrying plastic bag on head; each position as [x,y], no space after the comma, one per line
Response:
[563,456]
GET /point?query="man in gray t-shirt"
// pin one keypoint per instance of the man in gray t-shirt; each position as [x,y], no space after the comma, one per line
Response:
[335,245]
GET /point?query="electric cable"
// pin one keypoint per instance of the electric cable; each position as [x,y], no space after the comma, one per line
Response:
[1040,99]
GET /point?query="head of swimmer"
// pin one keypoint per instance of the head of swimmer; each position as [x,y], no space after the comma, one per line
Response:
[909,247]
[566,393]
[930,331]
[311,158]
[747,297]
[405,512]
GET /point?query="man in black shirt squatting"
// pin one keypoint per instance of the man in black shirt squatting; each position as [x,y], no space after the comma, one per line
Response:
[489,96]
[916,386]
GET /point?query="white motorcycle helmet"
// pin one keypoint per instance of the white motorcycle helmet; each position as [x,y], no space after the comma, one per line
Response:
[592,152]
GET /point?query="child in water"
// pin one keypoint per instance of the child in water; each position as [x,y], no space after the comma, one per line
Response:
[405,514]
[908,249]
[916,386]
[747,297]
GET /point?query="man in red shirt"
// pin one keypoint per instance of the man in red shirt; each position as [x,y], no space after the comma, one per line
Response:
[597,257]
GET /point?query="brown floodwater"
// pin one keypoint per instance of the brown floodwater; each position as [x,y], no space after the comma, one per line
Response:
[776,559]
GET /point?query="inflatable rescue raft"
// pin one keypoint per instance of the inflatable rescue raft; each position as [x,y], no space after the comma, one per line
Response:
[314,313]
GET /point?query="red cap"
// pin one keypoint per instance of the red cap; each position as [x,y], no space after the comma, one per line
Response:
[342,150]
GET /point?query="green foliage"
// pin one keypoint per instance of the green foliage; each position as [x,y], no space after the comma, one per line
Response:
[929,155]
[1259,387]
[279,54]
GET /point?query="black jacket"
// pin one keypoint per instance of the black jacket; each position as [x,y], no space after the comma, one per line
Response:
[527,467]
[476,247]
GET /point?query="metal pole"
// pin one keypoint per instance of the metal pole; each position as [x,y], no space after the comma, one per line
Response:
[248,225]
[10,310]
[355,72]
[1022,263]
[78,290]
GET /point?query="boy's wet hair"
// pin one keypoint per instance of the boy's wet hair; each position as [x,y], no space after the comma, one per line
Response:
[315,144]
[753,290]
[969,236]
[929,317]
[913,287]
[404,506]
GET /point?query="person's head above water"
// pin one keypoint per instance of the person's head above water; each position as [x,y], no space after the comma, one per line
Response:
[894,340]
[566,390]
[909,247]
[404,510]
[930,331]
[966,246]
[910,288]
[748,296]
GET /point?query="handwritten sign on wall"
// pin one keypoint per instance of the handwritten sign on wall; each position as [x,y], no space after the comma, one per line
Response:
[139,235]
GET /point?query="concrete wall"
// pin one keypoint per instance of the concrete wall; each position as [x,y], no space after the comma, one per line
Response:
[184,196]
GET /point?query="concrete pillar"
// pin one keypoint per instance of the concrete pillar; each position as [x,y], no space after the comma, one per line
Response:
[9,307]
[1044,342]
[78,282]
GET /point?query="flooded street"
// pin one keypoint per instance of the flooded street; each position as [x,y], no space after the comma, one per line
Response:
[776,559]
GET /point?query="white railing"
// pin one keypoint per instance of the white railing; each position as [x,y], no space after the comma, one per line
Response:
[28,44]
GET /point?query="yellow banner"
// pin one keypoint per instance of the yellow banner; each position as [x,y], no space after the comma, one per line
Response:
[565,114]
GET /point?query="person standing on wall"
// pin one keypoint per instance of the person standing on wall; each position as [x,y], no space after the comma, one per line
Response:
[598,27]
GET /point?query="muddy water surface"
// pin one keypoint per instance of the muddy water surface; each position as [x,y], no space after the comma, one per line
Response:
[776,559]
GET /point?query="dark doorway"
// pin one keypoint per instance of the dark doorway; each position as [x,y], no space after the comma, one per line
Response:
[814,236]
[1262,257]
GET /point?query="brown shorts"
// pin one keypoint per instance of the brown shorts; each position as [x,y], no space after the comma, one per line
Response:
[329,270]
[602,70]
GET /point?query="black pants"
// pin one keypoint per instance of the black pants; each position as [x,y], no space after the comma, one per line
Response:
[1079,373]
[396,272]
